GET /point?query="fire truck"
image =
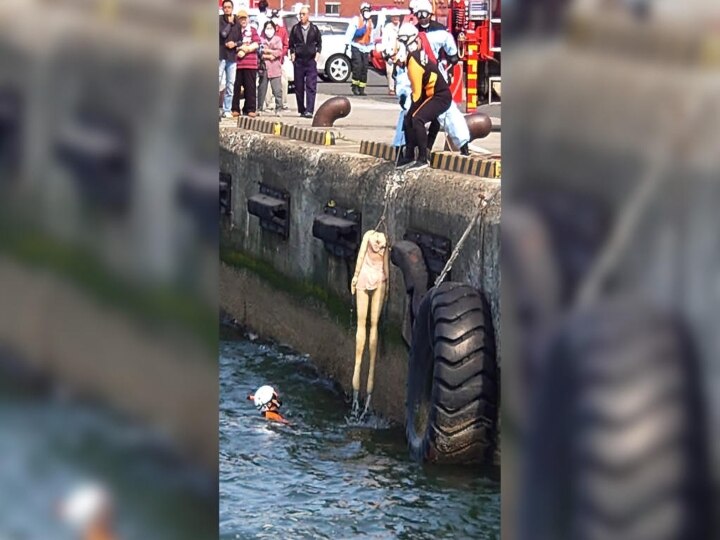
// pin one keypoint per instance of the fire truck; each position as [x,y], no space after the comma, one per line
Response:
[476,26]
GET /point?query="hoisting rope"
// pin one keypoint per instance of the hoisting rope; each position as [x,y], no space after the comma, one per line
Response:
[483,204]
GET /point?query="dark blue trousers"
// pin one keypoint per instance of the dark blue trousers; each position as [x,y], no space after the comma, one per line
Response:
[305,72]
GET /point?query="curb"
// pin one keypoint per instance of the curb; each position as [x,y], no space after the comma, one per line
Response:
[258,124]
[485,168]
[325,138]
[379,150]
[273,127]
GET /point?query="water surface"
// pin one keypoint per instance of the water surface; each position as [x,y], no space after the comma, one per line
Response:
[321,478]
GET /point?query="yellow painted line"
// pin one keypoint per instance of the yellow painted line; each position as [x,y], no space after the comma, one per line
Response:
[472,76]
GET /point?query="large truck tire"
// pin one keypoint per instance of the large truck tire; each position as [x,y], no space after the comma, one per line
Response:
[452,394]
[617,449]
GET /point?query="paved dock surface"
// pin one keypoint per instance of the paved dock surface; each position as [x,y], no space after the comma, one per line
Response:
[374,117]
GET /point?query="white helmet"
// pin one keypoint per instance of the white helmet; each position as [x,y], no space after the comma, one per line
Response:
[365,7]
[84,505]
[407,34]
[264,396]
[423,5]
[412,5]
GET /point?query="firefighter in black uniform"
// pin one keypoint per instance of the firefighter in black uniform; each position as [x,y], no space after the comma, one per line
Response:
[430,98]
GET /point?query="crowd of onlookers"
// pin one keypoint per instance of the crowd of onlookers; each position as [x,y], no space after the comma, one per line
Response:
[252,57]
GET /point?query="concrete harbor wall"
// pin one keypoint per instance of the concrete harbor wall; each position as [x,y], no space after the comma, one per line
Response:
[296,292]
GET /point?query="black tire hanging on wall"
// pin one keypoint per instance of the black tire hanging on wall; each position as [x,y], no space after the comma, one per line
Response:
[617,448]
[452,389]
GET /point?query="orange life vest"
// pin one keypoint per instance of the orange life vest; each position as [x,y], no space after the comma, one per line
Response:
[274,416]
[365,39]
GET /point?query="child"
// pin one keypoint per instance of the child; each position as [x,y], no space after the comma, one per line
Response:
[268,402]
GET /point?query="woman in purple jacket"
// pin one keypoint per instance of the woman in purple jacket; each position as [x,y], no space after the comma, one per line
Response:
[247,67]
[272,55]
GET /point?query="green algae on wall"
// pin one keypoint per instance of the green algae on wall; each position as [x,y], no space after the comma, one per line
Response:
[340,309]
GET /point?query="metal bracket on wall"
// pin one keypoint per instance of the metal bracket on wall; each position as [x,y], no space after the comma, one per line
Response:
[272,206]
[196,194]
[10,127]
[339,229]
[98,152]
[435,249]
[225,194]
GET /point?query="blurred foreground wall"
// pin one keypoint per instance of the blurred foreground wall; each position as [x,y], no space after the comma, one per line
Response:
[610,270]
[108,208]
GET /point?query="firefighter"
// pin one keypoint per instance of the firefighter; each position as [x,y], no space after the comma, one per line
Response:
[267,401]
[430,97]
[440,45]
[360,38]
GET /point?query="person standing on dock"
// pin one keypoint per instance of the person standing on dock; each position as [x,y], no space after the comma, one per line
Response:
[360,38]
[272,51]
[430,98]
[389,44]
[305,48]
[441,48]
[247,67]
[282,33]
[229,38]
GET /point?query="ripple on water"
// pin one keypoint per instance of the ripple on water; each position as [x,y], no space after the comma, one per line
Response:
[323,479]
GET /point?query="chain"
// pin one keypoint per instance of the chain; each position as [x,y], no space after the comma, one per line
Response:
[483,203]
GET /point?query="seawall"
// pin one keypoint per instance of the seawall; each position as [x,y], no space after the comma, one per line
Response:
[297,292]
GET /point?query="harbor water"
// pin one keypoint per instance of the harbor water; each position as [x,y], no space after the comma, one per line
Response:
[323,478]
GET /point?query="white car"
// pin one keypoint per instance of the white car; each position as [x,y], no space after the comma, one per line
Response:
[334,63]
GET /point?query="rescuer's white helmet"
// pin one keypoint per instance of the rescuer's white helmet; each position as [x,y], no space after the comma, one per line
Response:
[365,7]
[407,36]
[423,5]
[84,505]
[264,396]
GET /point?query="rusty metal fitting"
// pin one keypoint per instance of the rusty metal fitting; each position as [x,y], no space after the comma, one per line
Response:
[334,108]
[479,125]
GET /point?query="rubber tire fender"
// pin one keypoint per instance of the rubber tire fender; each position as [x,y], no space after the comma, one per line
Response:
[618,445]
[408,257]
[452,387]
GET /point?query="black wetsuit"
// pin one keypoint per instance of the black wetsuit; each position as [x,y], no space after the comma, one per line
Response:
[430,98]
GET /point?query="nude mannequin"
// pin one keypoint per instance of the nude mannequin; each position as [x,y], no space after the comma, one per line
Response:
[369,285]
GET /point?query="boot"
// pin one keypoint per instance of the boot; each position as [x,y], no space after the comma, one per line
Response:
[464,151]
[362,91]
[405,158]
[355,89]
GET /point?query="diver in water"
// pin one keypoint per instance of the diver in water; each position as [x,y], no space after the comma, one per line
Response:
[267,401]
[88,509]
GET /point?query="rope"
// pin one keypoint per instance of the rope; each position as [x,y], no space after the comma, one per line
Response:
[483,203]
[659,158]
